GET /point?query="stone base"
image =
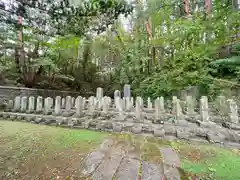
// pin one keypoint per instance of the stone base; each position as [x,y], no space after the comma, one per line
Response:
[38,112]
[207,124]
[56,114]
[38,119]
[214,137]
[13,117]
[20,117]
[29,118]
[117,127]
[182,134]
[215,133]
[67,114]
[159,132]
[137,129]
[30,111]
[232,126]
[47,113]
[73,121]
[120,117]
[50,120]
[5,116]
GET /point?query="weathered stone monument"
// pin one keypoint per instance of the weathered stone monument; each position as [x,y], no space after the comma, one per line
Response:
[31,104]
[47,105]
[39,107]
[161,104]
[204,109]
[190,105]
[127,91]
[233,111]
[63,103]
[17,104]
[149,103]
[24,104]
[79,106]
[57,108]
[99,94]
[105,105]
[138,110]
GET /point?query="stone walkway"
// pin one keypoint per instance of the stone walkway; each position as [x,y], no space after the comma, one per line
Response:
[114,161]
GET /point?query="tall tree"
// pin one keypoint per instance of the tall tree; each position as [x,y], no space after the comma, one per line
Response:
[41,20]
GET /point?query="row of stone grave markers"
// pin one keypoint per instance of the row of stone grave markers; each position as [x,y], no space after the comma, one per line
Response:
[128,114]
[69,106]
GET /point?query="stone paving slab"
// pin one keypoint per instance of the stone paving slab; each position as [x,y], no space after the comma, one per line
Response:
[128,169]
[152,171]
[107,168]
[92,162]
[111,161]
[170,157]
[171,162]
[93,159]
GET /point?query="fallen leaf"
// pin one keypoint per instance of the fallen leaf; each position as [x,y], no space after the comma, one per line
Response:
[211,169]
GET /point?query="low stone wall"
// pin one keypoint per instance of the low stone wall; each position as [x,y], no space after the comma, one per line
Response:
[178,119]
[10,92]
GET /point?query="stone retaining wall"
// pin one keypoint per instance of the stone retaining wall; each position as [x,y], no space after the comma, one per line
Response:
[10,92]
[178,119]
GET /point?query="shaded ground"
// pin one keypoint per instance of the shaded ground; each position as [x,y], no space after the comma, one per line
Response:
[29,151]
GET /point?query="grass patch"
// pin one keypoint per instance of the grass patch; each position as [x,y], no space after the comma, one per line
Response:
[209,161]
[39,149]
[30,151]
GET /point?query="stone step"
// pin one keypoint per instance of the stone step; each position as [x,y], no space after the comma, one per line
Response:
[152,171]
[171,162]
[91,163]
[107,168]
[111,161]
[128,169]
[94,159]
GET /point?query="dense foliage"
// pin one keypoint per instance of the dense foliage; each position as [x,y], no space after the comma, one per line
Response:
[84,45]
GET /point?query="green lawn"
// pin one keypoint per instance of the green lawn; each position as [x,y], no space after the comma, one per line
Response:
[38,149]
[210,161]
[31,151]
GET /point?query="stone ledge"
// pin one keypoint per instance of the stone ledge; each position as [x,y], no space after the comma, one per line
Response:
[212,135]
